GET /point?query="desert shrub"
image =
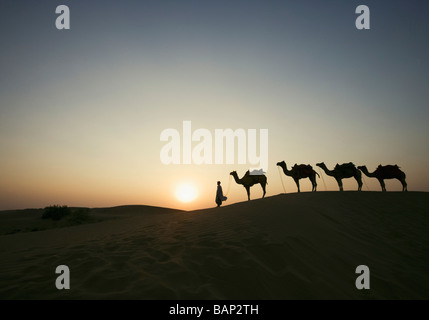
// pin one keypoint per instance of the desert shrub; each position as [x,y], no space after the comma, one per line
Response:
[80,215]
[55,212]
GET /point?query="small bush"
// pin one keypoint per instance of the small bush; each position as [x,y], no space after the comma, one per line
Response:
[55,212]
[79,216]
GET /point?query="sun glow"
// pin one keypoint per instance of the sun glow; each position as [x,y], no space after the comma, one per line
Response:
[186,192]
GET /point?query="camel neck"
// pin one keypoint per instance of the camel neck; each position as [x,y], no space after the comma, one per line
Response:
[367,173]
[286,171]
[327,171]
[237,180]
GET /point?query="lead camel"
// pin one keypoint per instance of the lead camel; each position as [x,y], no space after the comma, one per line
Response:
[249,180]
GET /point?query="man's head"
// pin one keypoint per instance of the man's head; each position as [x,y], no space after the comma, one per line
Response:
[218,183]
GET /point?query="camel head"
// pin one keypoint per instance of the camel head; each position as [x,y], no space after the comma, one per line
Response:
[233,173]
[362,167]
[320,164]
[281,163]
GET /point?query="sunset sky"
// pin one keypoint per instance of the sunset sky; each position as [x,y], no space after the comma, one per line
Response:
[82,110]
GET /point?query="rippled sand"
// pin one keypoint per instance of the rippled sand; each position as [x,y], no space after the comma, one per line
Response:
[294,246]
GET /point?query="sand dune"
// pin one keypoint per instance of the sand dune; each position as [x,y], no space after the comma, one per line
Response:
[294,246]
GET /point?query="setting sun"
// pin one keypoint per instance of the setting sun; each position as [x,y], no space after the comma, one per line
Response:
[186,192]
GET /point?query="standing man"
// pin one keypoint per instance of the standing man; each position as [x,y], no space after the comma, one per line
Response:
[219,195]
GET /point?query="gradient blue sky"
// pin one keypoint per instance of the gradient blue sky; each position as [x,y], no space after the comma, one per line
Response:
[81,110]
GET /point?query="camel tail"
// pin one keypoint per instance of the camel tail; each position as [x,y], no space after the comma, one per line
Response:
[316,173]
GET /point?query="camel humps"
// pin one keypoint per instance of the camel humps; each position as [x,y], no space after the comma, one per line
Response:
[249,180]
[300,172]
[386,172]
[343,171]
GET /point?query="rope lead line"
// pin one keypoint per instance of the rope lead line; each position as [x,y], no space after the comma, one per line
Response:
[364,182]
[229,186]
[281,179]
[323,179]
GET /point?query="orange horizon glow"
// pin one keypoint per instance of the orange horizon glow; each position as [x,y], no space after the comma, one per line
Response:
[166,195]
[82,110]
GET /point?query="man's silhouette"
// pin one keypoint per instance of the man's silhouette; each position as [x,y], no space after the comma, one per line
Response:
[219,195]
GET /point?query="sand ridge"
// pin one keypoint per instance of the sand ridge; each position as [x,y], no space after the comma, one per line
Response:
[294,246]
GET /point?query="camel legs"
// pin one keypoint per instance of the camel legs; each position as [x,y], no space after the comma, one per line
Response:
[358,177]
[359,181]
[340,183]
[248,193]
[313,182]
[383,186]
[263,189]
[297,183]
[404,184]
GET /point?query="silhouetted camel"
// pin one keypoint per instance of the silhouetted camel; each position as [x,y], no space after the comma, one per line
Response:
[386,172]
[299,172]
[249,180]
[345,170]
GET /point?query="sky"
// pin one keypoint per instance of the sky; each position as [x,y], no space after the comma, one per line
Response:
[82,110]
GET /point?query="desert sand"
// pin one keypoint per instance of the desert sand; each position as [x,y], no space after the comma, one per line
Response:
[291,246]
